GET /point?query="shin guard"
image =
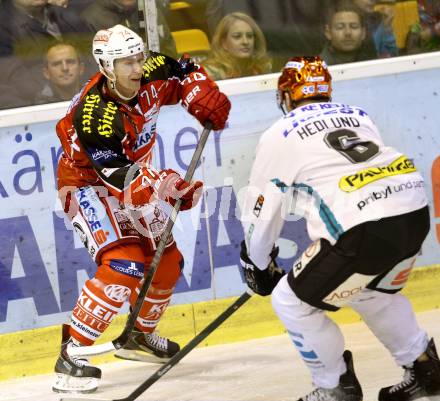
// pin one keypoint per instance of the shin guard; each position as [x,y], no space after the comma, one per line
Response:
[159,294]
[96,307]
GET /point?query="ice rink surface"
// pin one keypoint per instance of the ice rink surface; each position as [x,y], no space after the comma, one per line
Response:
[267,369]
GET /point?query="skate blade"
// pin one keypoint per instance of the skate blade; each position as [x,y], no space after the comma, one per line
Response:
[429,398]
[76,385]
[133,355]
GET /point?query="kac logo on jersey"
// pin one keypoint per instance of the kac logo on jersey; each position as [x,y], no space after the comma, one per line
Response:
[117,293]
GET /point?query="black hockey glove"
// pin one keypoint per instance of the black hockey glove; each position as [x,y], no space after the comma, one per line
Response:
[262,282]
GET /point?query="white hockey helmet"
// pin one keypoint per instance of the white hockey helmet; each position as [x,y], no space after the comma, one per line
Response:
[113,43]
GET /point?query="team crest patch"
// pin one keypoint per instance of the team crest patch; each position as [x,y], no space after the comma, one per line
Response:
[128,267]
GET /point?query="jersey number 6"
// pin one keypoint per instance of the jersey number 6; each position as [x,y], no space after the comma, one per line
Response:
[349,145]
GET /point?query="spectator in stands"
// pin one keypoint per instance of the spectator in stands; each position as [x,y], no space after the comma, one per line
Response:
[238,49]
[346,35]
[291,27]
[63,71]
[27,26]
[425,35]
[103,14]
[378,23]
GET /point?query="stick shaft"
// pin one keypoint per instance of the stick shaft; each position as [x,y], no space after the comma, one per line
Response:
[148,24]
[182,353]
[189,347]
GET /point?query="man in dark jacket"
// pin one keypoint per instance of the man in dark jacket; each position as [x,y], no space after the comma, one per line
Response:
[26,29]
[346,35]
[103,14]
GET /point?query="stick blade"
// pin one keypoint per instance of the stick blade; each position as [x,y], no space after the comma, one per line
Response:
[92,350]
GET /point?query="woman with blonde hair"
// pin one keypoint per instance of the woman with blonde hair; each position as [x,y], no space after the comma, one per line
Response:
[238,49]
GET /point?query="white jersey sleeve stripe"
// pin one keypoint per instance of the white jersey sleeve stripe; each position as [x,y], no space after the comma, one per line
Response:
[327,216]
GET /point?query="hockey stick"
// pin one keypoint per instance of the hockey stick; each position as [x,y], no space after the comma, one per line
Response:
[183,352]
[148,29]
[123,338]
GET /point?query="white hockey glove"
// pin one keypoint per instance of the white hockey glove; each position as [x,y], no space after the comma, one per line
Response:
[262,282]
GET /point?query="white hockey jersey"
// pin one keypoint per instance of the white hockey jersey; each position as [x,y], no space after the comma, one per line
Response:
[325,162]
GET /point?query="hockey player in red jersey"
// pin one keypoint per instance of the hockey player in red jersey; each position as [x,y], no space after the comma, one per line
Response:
[367,215]
[113,195]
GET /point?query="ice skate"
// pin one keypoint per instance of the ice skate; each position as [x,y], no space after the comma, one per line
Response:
[348,389]
[74,374]
[148,347]
[420,380]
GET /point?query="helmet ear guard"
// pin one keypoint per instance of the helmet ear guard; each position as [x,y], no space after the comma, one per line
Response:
[304,78]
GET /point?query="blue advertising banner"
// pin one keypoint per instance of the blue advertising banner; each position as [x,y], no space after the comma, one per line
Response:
[43,264]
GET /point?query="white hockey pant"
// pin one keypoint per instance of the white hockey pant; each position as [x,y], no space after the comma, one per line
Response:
[320,341]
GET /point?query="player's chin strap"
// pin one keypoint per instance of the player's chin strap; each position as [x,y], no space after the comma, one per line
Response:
[120,95]
[111,79]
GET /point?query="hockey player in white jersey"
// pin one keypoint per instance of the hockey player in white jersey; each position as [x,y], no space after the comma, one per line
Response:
[367,215]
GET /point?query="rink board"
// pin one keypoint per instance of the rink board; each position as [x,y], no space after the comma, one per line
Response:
[35,351]
[43,264]
[261,369]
